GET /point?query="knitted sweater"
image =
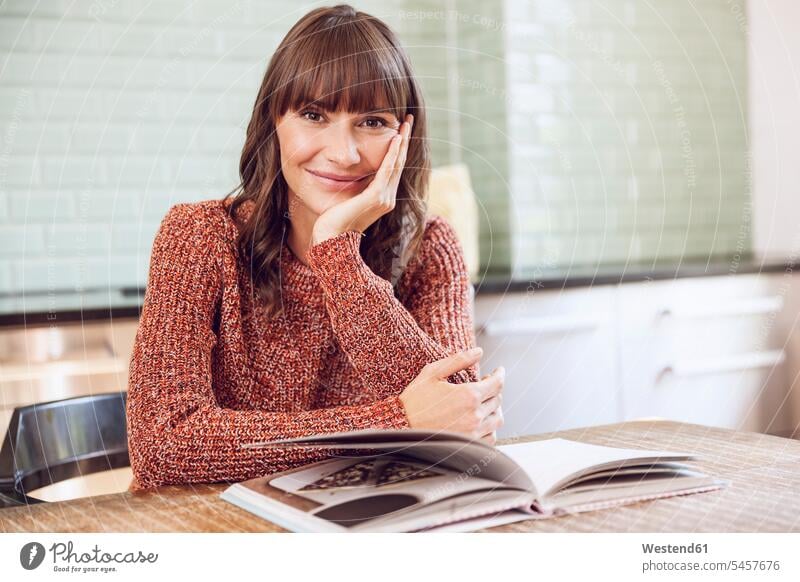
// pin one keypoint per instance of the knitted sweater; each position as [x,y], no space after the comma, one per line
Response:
[210,372]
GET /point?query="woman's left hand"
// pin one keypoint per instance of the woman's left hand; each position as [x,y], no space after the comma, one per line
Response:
[378,198]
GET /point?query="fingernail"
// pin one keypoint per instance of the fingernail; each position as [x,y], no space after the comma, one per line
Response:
[501,371]
[474,351]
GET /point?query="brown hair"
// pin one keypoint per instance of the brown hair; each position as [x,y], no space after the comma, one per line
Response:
[340,60]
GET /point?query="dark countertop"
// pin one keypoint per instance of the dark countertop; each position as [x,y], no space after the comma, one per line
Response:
[93,305]
[57,308]
[631,273]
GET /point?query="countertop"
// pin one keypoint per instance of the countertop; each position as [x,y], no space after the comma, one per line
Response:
[764,472]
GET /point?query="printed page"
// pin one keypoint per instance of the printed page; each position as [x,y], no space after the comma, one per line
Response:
[342,482]
[441,449]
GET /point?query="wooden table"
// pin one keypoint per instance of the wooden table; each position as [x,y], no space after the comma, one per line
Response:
[764,495]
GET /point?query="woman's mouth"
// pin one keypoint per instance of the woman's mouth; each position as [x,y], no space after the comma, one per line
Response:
[338,183]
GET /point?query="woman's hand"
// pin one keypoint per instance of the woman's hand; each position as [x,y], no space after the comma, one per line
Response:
[473,408]
[378,198]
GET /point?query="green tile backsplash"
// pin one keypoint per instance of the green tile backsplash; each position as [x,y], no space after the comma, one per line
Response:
[597,132]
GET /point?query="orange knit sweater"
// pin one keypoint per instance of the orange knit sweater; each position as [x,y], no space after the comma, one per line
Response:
[209,371]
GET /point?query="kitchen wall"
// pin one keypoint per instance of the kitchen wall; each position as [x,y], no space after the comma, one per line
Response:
[601,134]
[628,132]
[111,112]
[595,133]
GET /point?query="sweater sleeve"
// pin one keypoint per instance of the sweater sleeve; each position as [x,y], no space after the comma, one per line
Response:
[387,342]
[177,432]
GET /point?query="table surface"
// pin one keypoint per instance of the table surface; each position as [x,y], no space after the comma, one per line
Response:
[764,472]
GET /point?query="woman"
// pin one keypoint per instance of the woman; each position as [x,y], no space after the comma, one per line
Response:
[321,298]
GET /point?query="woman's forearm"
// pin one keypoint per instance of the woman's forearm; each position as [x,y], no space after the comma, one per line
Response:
[191,440]
[387,343]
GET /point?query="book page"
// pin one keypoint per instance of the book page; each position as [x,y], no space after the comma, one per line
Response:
[440,449]
[553,462]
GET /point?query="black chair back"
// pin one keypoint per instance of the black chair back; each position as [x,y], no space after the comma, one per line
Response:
[50,442]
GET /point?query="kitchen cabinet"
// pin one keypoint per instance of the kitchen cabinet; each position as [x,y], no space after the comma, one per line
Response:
[787,328]
[706,351]
[558,348]
[720,351]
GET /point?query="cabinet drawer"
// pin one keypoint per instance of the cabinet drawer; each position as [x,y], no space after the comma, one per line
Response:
[704,350]
[713,316]
[749,399]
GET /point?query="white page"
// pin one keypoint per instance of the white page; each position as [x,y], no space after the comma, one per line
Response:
[551,461]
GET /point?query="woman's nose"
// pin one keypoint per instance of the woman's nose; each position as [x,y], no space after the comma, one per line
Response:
[341,145]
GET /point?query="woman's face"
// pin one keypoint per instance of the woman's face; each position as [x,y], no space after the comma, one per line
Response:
[327,157]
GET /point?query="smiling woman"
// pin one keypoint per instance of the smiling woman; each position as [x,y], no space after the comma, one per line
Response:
[342,151]
[367,162]
[335,93]
[322,297]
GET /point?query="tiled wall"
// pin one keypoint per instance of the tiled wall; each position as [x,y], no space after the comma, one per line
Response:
[628,132]
[111,112]
[482,84]
[617,130]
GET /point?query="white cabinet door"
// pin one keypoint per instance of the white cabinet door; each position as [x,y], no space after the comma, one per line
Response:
[787,328]
[704,350]
[558,348]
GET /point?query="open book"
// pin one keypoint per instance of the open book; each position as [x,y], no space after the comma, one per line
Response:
[415,480]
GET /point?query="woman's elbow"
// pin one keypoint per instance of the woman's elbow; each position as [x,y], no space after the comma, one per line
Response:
[148,463]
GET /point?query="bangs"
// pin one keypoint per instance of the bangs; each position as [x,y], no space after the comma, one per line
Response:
[343,67]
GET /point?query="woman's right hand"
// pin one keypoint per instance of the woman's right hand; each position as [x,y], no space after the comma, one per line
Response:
[472,408]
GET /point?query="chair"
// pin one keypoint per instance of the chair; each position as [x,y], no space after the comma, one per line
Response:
[48,443]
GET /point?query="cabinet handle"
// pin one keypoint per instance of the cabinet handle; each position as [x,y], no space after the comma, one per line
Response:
[755,306]
[748,361]
[533,325]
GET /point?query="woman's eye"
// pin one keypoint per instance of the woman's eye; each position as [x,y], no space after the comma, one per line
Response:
[376,121]
[370,123]
[312,114]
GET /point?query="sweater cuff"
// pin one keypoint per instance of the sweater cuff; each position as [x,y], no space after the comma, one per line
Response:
[390,413]
[338,264]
